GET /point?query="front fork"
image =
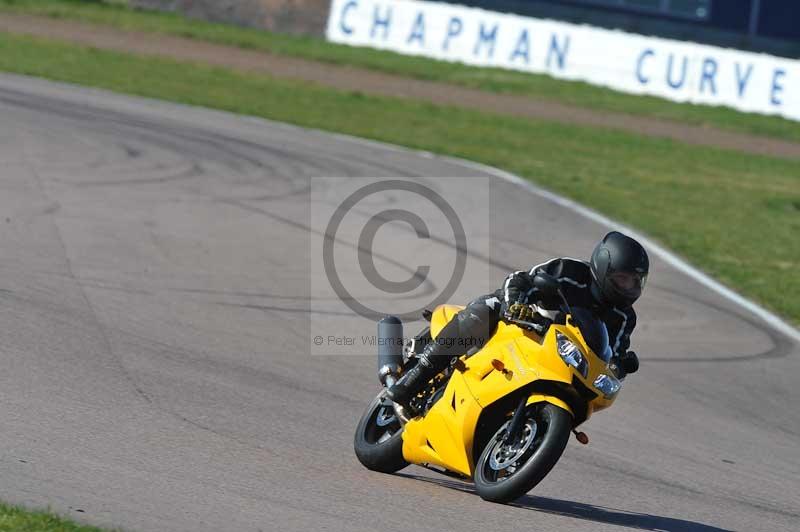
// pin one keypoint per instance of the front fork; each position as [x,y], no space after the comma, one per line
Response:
[517,421]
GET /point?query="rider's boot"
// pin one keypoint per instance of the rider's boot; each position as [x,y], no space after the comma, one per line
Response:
[431,362]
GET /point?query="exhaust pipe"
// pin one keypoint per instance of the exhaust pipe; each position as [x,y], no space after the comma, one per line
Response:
[390,350]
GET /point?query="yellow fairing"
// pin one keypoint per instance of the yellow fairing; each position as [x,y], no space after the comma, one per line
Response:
[444,436]
[533,399]
[526,358]
[511,360]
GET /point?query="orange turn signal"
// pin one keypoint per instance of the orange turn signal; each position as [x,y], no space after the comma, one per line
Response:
[498,365]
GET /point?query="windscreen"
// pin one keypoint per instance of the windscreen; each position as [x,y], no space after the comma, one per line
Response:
[594,332]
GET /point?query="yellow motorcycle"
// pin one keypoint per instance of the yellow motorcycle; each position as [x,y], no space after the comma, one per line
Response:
[502,414]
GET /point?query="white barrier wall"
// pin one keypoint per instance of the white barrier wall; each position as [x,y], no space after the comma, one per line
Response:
[680,71]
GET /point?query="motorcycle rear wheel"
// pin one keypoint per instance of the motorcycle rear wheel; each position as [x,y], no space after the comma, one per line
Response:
[506,471]
[378,441]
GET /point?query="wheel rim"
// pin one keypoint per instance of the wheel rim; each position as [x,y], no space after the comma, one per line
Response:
[505,454]
[382,425]
[504,459]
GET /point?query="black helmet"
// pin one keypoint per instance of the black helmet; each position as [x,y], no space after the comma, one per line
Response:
[619,267]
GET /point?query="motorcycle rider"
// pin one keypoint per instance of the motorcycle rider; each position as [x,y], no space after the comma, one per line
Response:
[609,283]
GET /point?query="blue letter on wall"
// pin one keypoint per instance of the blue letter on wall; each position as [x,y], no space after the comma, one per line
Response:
[709,72]
[418,30]
[487,37]
[346,9]
[560,52]
[522,49]
[379,21]
[639,74]
[453,30]
[741,82]
[777,88]
[670,81]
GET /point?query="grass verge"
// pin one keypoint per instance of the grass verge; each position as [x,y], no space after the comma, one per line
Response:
[115,14]
[735,215]
[16,519]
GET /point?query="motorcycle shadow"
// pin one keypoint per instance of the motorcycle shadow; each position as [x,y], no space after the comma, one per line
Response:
[585,512]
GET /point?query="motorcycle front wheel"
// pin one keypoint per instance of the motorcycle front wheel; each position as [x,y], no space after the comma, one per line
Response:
[507,470]
[378,441]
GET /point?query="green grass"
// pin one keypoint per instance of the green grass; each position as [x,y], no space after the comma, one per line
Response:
[491,80]
[15,519]
[735,215]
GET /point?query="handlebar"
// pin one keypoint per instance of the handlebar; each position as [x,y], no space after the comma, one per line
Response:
[547,285]
[539,328]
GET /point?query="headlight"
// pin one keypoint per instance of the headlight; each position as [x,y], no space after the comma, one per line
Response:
[571,354]
[607,385]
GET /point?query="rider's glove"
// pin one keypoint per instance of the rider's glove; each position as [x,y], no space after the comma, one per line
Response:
[520,311]
[629,362]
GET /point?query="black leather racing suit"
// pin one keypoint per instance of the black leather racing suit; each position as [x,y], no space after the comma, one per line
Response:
[474,325]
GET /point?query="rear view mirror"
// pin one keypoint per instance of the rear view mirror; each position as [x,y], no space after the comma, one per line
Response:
[546,284]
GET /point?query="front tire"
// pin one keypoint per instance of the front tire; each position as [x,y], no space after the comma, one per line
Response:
[506,471]
[378,441]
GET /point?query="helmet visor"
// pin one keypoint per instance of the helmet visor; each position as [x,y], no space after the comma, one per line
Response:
[629,284]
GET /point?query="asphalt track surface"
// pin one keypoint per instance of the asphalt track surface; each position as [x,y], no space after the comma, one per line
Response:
[156,310]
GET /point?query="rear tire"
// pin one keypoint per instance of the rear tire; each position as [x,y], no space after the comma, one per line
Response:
[378,441]
[505,472]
